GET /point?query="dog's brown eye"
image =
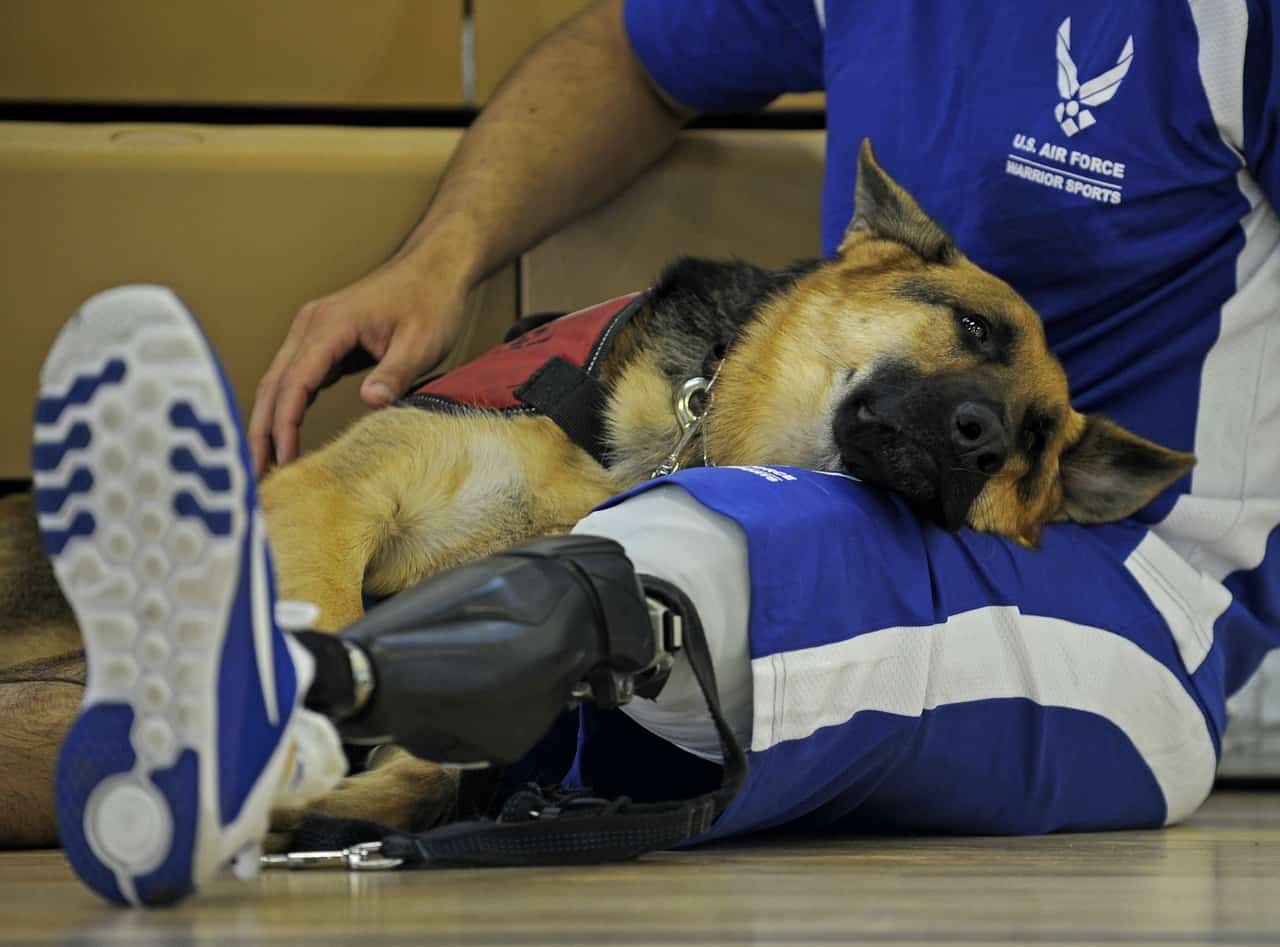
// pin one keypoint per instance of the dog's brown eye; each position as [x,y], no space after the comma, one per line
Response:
[976,326]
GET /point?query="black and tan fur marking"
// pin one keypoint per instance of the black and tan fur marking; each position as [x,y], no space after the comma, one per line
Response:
[897,360]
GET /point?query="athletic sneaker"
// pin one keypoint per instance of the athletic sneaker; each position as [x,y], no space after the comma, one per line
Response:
[148,508]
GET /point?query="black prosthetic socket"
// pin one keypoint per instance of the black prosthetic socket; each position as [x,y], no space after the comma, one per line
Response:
[333,690]
[475,664]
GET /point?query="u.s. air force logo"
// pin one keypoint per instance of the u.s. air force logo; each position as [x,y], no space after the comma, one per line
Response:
[1096,91]
[1055,166]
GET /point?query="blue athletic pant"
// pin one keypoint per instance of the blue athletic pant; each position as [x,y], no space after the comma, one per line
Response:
[890,676]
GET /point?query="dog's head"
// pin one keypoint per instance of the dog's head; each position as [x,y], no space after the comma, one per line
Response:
[901,362]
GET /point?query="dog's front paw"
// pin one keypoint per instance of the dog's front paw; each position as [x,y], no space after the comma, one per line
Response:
[401,792]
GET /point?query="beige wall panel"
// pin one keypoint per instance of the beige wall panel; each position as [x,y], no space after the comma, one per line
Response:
[756,195]
[802,102]
[329,52]
[507,29]
[245,224]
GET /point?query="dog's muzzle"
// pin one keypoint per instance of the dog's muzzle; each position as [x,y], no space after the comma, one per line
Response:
[934,440]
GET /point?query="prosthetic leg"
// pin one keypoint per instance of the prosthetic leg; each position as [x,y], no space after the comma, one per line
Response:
[474,665]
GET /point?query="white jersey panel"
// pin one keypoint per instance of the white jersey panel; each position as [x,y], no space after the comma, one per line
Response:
[994,653]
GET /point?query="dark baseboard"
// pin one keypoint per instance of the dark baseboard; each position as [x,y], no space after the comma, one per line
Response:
[8,486]
[359,117]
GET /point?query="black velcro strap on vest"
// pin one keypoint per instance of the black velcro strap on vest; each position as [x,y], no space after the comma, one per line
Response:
[571,397]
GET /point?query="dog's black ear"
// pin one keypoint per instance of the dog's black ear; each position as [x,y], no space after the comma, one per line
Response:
[883,209]
[1111,473]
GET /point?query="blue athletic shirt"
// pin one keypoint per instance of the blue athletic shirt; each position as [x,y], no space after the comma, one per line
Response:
[1116,161]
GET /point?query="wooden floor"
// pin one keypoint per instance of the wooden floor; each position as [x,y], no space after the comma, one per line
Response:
[1213,880]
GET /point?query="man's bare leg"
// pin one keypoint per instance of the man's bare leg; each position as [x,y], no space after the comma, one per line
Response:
[38,701]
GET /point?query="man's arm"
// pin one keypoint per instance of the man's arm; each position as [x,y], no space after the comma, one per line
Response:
[573,124]
[569,127]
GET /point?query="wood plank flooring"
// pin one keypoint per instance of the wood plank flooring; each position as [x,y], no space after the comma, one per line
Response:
[1215,879]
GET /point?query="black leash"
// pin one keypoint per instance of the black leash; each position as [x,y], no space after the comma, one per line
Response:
[554,826]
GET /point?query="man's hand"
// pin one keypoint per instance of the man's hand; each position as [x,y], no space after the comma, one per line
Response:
[397,318]
[574,123]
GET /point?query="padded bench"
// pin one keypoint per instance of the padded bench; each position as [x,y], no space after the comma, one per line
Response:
[240,52]
[249,223]
[246,224]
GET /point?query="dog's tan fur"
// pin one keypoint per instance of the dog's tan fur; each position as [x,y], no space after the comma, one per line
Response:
[405,492]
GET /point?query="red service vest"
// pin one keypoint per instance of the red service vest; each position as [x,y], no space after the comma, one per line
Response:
[552,369]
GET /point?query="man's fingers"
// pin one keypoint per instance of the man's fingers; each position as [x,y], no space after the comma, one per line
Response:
[301,379]
[406,356]
[375,319]
[291,404]
[291,401]
[262,417]
[259,435]
[313,346]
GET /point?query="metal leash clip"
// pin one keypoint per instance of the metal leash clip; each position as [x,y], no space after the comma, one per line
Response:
[367,856]
[689,418]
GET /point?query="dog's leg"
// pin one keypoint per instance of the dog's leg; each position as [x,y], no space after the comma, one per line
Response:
[38,701]
[35,619]
[402,495]
[480,485]
[406,493]
[398,790]
[322,538]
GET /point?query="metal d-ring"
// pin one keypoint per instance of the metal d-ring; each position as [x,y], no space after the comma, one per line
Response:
[684,401]
[689,420]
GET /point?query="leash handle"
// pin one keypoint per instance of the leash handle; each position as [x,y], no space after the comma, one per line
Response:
[576,831]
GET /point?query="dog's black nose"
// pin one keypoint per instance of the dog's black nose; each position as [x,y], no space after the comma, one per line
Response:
[979,438]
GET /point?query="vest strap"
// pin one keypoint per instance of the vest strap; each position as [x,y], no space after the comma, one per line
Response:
[572,398]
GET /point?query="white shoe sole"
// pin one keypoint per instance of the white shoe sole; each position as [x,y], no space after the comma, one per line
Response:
[147,509]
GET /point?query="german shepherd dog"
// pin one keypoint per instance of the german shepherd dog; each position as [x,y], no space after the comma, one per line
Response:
[896,360]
